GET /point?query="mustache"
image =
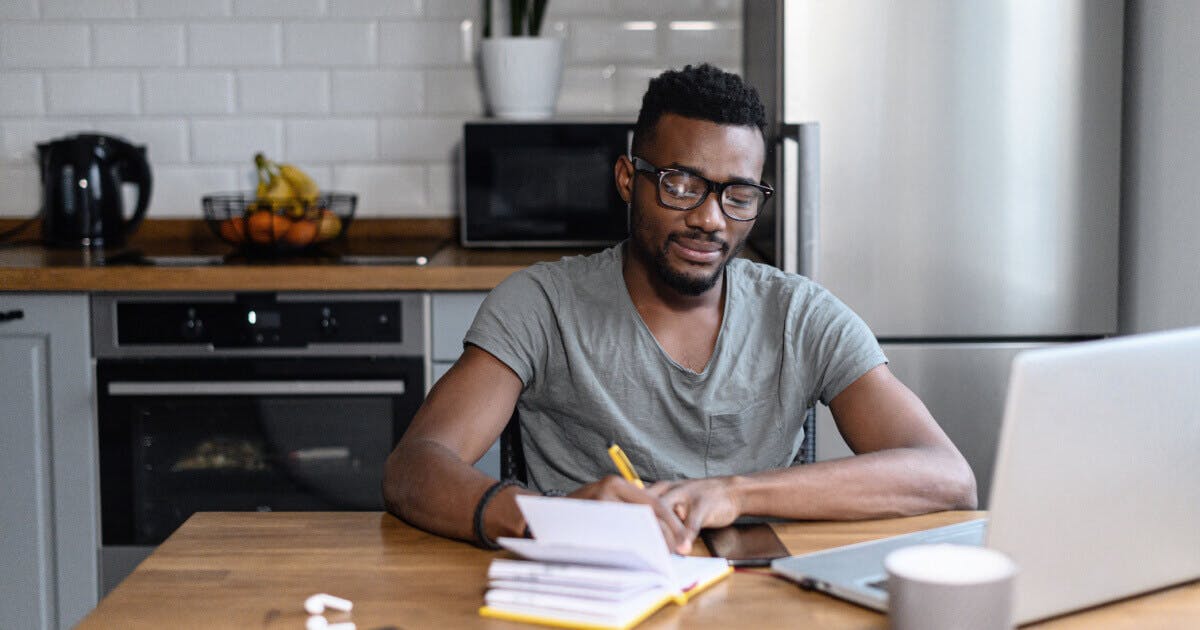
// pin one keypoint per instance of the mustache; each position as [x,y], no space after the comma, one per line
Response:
[699,235]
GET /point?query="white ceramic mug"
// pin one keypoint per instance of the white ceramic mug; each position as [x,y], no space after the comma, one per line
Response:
[950,587]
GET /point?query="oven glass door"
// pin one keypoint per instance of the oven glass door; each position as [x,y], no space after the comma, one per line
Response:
[170,448]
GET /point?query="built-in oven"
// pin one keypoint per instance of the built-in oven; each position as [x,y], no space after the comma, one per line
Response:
[257,401]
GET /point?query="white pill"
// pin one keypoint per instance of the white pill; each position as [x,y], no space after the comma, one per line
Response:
[319,602]
[316,622]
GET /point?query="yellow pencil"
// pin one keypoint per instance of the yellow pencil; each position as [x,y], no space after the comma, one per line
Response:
[623,464]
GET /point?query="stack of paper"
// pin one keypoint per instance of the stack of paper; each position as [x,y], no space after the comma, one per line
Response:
[592,564]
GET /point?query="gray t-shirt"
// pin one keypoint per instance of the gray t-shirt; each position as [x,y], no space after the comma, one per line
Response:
[594,374]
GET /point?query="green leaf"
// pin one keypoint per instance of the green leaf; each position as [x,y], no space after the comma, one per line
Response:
[536,15]
[516,17]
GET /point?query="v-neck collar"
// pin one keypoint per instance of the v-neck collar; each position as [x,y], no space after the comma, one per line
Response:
[632,309]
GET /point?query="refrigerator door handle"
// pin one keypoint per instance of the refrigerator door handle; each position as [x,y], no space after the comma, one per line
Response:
[798,222]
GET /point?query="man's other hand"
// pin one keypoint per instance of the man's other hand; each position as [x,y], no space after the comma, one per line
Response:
[699,503]
[613,488]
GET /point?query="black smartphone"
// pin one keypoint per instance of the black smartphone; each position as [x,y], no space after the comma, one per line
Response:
[745,545]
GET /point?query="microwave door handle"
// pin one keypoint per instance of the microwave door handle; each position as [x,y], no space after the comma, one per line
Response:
[257,388]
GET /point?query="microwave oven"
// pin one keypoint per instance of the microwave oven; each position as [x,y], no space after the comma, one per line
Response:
[542,184]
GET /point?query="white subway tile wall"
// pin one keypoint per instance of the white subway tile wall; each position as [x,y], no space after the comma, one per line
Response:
[44,45]
[384,189]
[21,136]
[185,8]
[16,9]
[22,93]
[88,9]
[378,92]
[235,44]
[386,8]
[284,91]
[133,45]
[368,96]
[231,140]
[168,136]
[331,44]
[19,183]
[188,92]
[417,139]
[332,140]
[278,8]
[178,189]
[92,92]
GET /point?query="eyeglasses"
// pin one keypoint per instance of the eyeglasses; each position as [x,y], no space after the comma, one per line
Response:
[681,190]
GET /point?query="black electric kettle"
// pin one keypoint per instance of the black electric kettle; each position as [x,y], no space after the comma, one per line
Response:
[82,177]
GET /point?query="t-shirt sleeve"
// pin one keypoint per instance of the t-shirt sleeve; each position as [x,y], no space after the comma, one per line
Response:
[837,345]
[515,324]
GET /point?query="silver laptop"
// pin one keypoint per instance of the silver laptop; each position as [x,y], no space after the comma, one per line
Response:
[1096,492]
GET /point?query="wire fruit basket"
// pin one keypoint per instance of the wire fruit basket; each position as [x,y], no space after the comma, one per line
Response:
[264,226]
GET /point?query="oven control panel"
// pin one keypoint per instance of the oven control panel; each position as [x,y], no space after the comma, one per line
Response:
[248,321]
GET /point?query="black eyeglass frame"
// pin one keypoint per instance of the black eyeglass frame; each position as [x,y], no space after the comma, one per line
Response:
[641,165]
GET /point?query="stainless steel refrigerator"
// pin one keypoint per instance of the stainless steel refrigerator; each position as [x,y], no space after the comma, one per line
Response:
[950,170]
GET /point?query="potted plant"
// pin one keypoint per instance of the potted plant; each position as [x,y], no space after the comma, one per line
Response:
[521,72]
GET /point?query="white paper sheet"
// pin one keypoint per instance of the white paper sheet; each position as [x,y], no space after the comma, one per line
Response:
[631,528]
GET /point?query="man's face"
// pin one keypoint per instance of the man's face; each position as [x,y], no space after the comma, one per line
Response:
[689,249]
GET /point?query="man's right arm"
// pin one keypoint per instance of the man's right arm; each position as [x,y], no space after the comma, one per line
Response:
[429,479]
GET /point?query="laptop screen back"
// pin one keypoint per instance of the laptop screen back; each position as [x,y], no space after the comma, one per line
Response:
[1097,483]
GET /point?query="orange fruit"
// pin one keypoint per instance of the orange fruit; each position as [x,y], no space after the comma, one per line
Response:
[302,233]
[233,230]
[266,228]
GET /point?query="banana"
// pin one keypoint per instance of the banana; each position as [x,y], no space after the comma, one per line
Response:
[280,192]
[306,189]
[264,183]
[275,189]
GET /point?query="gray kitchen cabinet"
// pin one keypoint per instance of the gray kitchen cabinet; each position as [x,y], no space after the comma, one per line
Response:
[49,519]
[451,315]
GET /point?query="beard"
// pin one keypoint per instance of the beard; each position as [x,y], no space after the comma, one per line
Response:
[656,257]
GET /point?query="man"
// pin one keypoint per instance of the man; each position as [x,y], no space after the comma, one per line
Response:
[700,365]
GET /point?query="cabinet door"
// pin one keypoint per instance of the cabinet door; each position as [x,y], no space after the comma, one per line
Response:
[452,314]
[27,573]
[50,499]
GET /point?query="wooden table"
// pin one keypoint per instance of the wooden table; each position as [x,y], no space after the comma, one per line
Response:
[250,570]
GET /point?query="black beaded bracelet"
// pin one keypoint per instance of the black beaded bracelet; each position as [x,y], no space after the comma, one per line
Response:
[480,537]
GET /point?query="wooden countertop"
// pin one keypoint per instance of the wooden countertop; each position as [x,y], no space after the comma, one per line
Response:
[226,570]
[32,267]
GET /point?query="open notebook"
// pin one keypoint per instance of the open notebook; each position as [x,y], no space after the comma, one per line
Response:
[592,564]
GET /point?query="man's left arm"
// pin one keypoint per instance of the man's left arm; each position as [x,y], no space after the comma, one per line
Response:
[904,465]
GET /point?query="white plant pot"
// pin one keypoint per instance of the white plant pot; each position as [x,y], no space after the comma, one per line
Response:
[521,75]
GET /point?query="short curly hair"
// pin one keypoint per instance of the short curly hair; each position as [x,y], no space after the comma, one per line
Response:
[704,92]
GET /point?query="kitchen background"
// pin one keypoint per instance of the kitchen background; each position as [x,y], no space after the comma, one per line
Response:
[369,96]
[366,95]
